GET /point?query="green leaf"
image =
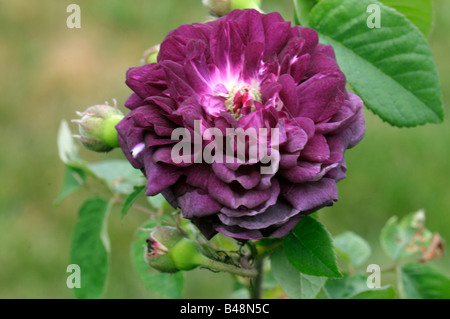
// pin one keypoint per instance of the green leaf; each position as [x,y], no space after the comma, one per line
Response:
[164,284]
[352,247]
[67,149]
[423,282]
[391,68]
[74,178]
[387,292]
[119,175]
[393,239]
[302,10]
[294,283]
[404,238]
[309,249]
[90,247]
[419,12]
[345,287]
[355,287]
[138,190]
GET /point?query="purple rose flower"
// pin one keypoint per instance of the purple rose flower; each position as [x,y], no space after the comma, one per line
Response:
[244,70]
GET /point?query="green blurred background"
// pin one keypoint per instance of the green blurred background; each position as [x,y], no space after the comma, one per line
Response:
[50,71]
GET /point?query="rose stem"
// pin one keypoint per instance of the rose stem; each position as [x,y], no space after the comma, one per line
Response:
[256,285]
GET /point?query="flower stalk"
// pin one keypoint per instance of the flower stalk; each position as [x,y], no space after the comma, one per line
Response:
[220,266]
[256,287]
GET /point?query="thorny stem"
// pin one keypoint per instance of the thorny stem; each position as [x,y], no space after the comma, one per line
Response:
[256,283]
[220,266]
[256,286]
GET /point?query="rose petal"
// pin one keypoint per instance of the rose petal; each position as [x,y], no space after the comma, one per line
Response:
[310,196]
[194,204]
[321,96]
[316,150]
[276,214]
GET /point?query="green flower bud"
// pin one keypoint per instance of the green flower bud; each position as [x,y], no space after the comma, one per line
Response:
[220,8]
[170,251]
[186,254]
[97,127]
[217,8]
[150,55]
[245,4]
[162,239]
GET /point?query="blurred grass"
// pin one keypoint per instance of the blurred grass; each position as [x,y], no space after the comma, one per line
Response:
[50,71]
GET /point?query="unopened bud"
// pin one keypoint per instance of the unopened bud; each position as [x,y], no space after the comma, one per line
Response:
[97,127]
[245,4]
[161,240]
[217,8]
[220,8]
[186,254]
[150,55]
[170,251]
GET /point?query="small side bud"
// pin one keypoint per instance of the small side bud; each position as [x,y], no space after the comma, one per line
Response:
[162,239]
[186,254]
[150,55]
[245,4]
[97,127]
[170,251]
[217,8]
